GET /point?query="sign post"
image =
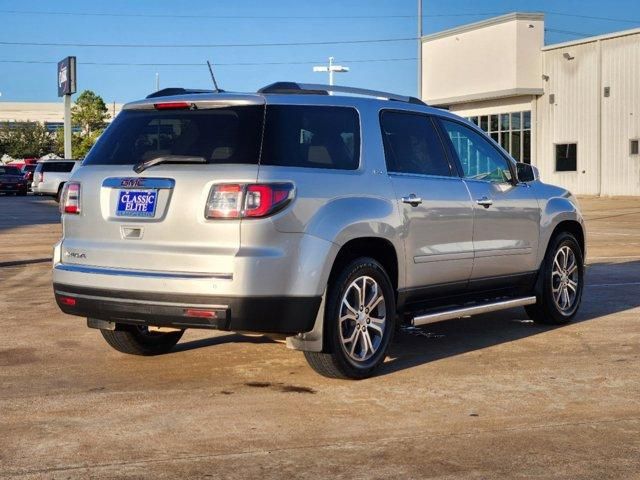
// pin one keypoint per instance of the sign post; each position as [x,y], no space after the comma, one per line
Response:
[331,69]
[66,88]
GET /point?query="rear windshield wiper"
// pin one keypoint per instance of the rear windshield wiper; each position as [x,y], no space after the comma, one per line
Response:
[142,166]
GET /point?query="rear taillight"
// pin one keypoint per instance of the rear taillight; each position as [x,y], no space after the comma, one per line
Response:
[70,198]
[38,177]
[253,200]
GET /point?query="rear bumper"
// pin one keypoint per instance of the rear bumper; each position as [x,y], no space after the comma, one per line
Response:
[283,315]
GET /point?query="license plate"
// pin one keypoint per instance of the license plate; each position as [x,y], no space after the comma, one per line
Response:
[136,203]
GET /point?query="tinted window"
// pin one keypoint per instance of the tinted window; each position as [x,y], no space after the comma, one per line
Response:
[480,160]
[220,135]
[311,136]
[412,144]
[9,171]
[57,166]
[566,157]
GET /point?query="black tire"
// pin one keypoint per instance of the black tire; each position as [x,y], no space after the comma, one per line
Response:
[546,310]
[23,193]
[335,361]
[136,340]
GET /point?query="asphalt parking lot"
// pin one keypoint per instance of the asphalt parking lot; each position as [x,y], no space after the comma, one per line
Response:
[484,397]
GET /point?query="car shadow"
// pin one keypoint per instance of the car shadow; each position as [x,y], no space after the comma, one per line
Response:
[610,288]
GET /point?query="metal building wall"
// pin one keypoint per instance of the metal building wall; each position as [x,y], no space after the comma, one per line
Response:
[571,118]
[620,115]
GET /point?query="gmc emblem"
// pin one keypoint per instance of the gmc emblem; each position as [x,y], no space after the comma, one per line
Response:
[131,182]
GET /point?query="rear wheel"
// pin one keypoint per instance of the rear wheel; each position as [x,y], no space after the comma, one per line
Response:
[138,340]
[561,283]
[359,322]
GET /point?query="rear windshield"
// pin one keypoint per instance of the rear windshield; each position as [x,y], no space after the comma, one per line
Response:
[55,167]
[300,136]
[9,171]
[221,135]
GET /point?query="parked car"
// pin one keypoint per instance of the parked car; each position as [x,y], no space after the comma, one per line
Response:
[330,219]
[27,172]
[50,176]
[12,180]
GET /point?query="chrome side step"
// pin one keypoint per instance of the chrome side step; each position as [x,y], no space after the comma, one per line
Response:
[472,310]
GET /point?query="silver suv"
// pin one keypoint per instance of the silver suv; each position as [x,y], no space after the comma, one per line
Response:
[329,219]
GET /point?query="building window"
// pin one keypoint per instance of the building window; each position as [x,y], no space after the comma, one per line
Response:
[512,131]
[566,157]
[634,148]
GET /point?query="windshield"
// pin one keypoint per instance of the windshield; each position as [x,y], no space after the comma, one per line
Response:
[9,171]
[220,135]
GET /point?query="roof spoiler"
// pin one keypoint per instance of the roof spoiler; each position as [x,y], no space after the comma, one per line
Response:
[171,91]
[317,89]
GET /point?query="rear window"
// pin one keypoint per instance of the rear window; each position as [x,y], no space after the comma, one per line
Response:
[56,167]
[220,135]
[294,136]
[9,171]
[312,137]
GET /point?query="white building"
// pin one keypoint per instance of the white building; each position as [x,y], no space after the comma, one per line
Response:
[51,114]
[572,109]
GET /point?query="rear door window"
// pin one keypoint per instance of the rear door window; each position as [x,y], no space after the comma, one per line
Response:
[312,137]
[412,144]
[219,135]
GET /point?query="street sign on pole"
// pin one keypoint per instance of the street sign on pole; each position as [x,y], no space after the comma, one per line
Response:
[67,76]
[66,88]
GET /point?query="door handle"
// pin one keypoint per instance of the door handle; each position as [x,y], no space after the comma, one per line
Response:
[486,202]
[412,200]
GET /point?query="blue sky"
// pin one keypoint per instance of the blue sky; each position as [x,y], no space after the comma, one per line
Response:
[36,81]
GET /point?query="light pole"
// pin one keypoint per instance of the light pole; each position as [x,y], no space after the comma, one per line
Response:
[331,69]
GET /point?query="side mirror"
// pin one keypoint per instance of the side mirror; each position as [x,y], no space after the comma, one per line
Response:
[526,173]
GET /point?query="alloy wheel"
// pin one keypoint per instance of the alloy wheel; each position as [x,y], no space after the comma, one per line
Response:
[362,319]
[564,279]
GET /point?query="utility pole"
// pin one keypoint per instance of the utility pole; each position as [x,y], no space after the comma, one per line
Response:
[419,48]
[331,69]
[157,81]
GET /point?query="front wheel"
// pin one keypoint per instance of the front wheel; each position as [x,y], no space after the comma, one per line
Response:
[359,322]
[138,340]
[561,284]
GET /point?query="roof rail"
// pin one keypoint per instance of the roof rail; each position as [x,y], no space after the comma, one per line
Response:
[318,89]
[167,92]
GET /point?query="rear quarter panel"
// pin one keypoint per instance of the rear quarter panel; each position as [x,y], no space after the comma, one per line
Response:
[342,205]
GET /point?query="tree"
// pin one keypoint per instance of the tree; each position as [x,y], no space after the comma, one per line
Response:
[89,112]
[81,143]
[25,139]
